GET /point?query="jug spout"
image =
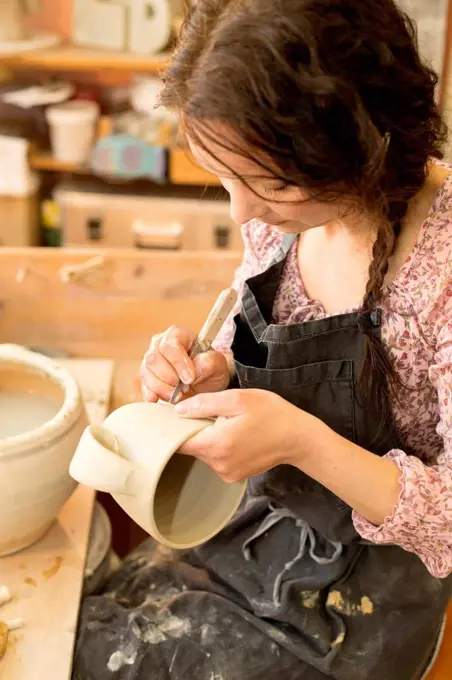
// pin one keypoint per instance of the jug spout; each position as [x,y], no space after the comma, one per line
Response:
[98,462]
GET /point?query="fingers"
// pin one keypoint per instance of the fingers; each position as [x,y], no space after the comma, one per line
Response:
[165,362]
[158,378]
[149,395]
[158,364]
[174,347]
[213,446]
[228,404]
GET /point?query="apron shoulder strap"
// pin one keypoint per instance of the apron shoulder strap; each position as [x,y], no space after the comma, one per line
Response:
[286,245]
[288,241]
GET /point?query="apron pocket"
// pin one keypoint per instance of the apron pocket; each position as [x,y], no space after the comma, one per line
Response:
[324,389]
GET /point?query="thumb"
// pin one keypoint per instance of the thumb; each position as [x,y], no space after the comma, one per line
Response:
[213,405]
[206,365]
[212,372]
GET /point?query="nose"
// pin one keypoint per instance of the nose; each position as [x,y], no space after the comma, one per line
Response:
[245,205]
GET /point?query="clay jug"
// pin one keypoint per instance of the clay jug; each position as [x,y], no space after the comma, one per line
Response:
[177,499]
[41,421]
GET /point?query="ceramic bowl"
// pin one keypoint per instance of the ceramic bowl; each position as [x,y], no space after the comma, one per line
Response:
[41,421]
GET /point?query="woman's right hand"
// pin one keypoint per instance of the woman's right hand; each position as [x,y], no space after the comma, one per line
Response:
[167,361]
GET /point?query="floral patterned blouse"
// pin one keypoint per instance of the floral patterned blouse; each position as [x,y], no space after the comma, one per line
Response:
[417,332]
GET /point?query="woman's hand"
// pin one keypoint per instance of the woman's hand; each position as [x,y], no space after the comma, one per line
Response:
[256,430]
[167,360]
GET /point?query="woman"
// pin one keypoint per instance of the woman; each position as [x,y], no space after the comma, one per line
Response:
[320,119]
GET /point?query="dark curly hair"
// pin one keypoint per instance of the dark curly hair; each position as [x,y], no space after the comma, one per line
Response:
[336,94]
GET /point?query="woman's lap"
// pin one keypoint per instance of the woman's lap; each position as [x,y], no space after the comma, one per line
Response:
[163,619]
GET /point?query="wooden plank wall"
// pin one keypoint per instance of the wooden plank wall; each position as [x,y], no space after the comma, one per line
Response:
[111,308]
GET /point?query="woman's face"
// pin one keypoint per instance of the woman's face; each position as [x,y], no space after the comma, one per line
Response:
[263,196]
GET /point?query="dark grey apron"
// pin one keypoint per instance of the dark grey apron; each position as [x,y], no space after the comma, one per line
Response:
[288,591]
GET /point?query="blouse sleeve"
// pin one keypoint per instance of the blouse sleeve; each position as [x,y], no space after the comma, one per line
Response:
[422,519]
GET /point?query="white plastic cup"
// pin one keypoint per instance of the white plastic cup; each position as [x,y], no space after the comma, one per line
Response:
[72,130]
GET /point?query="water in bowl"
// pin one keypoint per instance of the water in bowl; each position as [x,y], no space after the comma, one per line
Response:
[21,412]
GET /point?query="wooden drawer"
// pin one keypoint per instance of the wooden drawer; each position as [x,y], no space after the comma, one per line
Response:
[105,303]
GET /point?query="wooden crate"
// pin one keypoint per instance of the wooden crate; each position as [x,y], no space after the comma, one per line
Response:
[113,304]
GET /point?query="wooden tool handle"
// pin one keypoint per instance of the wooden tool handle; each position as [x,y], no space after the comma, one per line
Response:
[218,315]
[214,322]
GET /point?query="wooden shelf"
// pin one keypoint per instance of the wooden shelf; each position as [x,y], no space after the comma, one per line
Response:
[45,161]
[183,168]
[72,58]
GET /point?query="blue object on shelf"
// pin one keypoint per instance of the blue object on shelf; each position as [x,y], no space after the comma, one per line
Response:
[128,157]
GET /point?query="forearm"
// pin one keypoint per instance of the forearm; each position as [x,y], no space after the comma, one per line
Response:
[366,482]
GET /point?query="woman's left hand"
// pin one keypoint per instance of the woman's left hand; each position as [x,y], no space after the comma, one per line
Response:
[258,430]
[255,431]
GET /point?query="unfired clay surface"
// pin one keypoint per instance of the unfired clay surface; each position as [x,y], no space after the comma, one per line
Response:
[177,499]
[41,421]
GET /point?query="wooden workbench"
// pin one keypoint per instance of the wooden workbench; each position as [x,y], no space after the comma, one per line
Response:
[106,303]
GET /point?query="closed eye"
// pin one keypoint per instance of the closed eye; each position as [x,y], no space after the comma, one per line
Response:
[277,190]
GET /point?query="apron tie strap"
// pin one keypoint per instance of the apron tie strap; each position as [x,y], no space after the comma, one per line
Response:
[307,534]
[274,517]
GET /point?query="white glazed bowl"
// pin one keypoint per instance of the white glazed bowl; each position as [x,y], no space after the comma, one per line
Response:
[34,464]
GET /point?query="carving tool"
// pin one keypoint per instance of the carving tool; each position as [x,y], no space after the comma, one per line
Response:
[218,315]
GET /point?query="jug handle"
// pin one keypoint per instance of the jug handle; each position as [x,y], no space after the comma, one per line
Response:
[98,462]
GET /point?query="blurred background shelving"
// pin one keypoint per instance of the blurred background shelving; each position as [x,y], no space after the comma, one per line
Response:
[70,58]
[136,149]
[136,152]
